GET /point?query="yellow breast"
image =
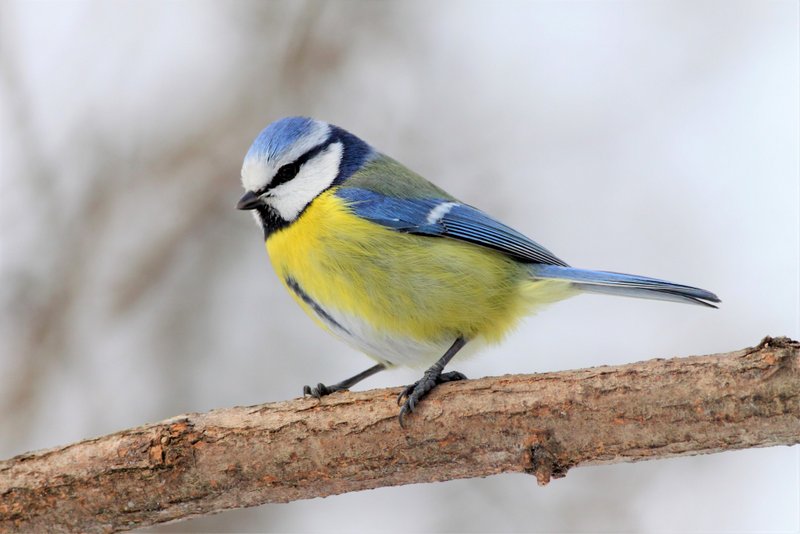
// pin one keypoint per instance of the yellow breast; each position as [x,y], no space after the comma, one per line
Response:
[422,288]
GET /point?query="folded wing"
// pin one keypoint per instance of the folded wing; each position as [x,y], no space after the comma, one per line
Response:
[439,217]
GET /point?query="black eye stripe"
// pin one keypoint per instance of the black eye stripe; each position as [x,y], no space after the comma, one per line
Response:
[285,173]
[289,171]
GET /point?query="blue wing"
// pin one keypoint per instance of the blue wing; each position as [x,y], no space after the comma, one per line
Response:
[444,218]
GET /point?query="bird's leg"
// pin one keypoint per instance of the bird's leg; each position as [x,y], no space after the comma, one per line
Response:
[321,390]
[433,377]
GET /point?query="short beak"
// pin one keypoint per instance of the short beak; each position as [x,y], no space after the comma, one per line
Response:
[249,201]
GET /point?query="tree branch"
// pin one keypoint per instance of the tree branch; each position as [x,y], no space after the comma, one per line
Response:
[541,424]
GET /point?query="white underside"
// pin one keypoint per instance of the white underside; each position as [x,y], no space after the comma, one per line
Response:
[391,350]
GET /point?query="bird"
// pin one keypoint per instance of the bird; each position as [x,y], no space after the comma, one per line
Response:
[397,267]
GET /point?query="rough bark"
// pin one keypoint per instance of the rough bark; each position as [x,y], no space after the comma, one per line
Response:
[540,424]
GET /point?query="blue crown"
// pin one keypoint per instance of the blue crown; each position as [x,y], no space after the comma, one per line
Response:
[276,138]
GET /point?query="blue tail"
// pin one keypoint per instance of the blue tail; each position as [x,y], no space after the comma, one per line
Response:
[627,285]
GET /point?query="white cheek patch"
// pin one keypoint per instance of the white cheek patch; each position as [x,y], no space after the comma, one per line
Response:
[314,177]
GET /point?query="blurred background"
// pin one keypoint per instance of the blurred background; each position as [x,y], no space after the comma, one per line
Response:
[657,138]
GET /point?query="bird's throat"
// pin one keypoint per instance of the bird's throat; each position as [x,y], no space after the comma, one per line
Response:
[270,220]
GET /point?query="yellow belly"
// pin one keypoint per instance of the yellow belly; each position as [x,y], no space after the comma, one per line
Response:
[419,288]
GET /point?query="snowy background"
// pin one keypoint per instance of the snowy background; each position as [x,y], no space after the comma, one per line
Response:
[657,138]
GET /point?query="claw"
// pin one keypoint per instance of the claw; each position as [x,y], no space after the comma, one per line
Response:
[405,393]
[319,391]
[414,393]
[402,415]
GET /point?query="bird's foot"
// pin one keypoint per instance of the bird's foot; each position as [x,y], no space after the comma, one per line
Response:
[320,390]
[413,394]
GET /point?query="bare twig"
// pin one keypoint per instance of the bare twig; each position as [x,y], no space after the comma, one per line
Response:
[539,424]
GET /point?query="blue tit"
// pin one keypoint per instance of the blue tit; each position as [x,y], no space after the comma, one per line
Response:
[397,267]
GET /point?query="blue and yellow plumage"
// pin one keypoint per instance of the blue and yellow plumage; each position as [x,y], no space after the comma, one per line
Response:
[395,266]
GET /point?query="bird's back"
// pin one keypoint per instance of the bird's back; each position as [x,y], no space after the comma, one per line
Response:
[383,175]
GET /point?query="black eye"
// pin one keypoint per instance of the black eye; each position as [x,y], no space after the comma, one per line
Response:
[284,174]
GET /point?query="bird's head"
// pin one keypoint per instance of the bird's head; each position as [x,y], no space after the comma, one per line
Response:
[291,162]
